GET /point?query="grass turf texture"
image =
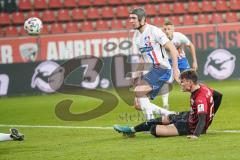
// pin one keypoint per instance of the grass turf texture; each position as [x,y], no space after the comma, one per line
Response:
[72,144]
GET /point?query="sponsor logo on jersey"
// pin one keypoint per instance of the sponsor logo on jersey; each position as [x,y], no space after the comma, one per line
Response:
[200,108]
[146,49]
[148,45]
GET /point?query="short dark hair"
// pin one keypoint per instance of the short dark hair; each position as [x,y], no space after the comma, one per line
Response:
[190,75]
[168,23]
[140,12]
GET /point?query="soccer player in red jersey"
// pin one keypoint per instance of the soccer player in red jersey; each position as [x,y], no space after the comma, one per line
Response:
[204,103]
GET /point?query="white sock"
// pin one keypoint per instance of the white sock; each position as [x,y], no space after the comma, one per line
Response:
[146,107]
[165,93]
[5,137]
[132,129]
[149,108]
[160,110]
[165,99]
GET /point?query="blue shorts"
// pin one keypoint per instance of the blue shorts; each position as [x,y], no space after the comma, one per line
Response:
[182,64]
[156,77]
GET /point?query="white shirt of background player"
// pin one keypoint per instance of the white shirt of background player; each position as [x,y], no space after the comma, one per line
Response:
[180,41]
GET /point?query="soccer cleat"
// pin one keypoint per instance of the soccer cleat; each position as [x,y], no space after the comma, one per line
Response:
[15,135]
[125,130]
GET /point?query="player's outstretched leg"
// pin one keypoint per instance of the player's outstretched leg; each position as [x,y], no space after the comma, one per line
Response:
[15,135]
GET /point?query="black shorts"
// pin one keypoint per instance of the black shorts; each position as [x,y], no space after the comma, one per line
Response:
[180,122]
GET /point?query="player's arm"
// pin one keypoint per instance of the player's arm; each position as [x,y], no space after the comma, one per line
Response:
[191,48]
[173,53]
[200,126]
[217,98]
[140,64]
[140,68]
[162,39]
[193,54]
[202,107]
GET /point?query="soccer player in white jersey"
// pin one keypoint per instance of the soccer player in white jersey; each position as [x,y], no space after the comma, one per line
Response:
[14,135]
[152,44]
[180,41]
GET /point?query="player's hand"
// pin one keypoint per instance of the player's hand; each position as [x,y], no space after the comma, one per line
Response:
[194,66]
[192,137]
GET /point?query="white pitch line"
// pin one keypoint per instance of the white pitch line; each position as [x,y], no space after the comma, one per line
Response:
[93,127]
[226,131]
[63,127]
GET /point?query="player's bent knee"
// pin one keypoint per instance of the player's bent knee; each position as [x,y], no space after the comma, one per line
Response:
[137,107]
[153,131]
[137,104]
[165,120]
[141,91]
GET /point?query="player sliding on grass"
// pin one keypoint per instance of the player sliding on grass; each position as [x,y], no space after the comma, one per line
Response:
[204,104]
[13,136]
[152,44]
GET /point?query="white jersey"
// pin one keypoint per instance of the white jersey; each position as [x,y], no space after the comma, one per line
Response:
[150,44]
[180,41]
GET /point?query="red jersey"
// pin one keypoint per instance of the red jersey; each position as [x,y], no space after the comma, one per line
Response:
[201,102]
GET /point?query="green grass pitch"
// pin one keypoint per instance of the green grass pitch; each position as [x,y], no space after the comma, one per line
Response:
[101,144]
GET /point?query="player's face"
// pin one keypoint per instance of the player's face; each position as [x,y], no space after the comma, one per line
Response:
[168,30]
[186,85]
[133,19]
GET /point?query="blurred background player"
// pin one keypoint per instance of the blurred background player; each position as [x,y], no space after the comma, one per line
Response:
[204,104]
[13,136]
[152,44]
[180,41]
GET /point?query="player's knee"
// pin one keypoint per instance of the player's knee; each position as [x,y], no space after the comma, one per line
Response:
[153,131]
[138,91]
[137,105]
[142,90]
[165,120]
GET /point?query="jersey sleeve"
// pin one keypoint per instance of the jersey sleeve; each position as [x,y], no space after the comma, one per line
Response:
[202,106]
[159,36]
[184,39]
